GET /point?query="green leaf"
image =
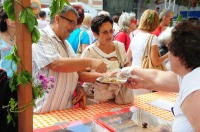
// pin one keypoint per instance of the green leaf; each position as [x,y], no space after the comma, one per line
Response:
[22,16]
[9,118]
[54,7]
[150,18]
[9,57]
[179,18]
[30,22]
[13,104]
[62,3]
[30,11]
[9,8]
[35,93]
[13,82]
[35,35]
[67,2]
[24,77]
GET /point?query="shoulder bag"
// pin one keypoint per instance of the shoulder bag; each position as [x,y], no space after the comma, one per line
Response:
[146,58]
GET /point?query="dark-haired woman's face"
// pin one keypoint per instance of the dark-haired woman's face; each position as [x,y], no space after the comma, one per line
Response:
[105,33]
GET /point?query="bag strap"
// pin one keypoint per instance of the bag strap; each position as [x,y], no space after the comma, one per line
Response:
[79,49]
[118,54]
[148,46]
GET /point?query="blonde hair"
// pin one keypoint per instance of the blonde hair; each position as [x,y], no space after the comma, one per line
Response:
[88,17]
[149,20]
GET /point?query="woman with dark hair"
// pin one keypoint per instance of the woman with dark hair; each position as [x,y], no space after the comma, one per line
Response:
[184,59]
[79,39]
[113,54]
[7,41]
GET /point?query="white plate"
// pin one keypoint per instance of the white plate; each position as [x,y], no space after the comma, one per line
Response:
[111,80]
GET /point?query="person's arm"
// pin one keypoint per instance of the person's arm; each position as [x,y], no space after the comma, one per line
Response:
[77,64]
[191,108]
[129,57]
[155,59]
[89,76]
[152,79]
[84,46]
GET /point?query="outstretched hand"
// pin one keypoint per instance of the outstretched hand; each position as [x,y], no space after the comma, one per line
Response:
[80,97]
[135,83]
[98,66]
[124,72]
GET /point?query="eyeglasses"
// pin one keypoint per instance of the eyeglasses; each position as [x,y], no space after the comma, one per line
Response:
[107,32]
[71,21]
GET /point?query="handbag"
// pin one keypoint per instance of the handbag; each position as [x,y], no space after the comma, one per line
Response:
[125,94]
[146,58]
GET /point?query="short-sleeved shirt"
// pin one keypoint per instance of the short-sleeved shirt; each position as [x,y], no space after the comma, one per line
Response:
[157,32]
[49,49]
[6,49]
[74,38]
[124,38]
[188,84]
[137,46]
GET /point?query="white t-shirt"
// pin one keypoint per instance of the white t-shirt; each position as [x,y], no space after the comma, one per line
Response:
[137,46]
[188,84]
[42,24]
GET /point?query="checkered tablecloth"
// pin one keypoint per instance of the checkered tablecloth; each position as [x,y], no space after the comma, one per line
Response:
[51,118]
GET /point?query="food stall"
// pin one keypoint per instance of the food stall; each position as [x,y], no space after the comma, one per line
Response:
[59,120]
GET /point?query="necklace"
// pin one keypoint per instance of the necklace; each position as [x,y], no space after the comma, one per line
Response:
[11,36]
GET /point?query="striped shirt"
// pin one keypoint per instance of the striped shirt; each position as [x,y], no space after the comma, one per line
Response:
[48,49]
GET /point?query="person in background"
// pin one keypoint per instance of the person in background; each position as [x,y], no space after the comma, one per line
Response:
[164,39]
[157,9]
[86,26]
[113,54]
[184,60]
[42,20]
[166,17]
[127,23]
[54,56]
[104,13]
[7,42]
[115,19]
[149,21]
[78,39]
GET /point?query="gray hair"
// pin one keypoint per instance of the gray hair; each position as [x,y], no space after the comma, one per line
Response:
[104,13]
[88,17]
[65,9]
[165,12]
[125,20]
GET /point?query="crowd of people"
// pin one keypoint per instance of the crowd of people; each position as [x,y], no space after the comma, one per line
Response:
[77,49]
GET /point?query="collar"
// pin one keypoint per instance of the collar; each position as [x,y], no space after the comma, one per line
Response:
[50,32]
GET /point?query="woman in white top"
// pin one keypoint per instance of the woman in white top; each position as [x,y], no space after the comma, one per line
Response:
[184,60]
[112,53]
[149,21]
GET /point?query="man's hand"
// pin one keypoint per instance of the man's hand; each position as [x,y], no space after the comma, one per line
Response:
[80,97]
[98,66]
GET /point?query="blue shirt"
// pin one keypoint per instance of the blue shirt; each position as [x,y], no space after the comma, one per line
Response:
[6,49]
[74,38]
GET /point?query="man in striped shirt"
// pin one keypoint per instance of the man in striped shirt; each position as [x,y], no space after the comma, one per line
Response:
[53,56]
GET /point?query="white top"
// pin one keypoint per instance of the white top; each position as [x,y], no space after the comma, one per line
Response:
[137,46]
[42,24]
[47,50]
[103,92]
[188,84]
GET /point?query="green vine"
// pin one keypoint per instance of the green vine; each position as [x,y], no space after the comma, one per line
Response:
[28,18]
